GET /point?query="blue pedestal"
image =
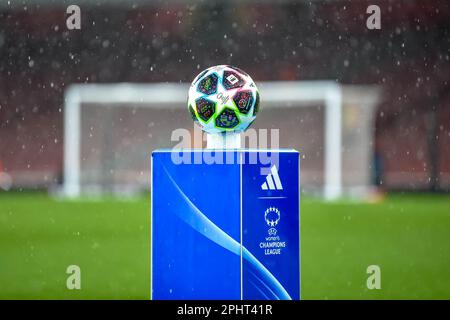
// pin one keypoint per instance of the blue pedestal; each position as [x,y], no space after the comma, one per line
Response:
[228,229]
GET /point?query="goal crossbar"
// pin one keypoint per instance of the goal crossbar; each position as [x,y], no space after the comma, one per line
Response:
[173,95]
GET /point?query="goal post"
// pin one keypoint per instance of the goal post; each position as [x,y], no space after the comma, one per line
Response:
[143,111]
[330,94]
[160,95]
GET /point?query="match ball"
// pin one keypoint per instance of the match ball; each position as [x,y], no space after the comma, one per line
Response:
[223,99]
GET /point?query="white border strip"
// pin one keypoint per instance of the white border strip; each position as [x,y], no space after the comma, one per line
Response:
[240,223]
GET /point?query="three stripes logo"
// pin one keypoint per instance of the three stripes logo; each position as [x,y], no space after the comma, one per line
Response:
[273,181]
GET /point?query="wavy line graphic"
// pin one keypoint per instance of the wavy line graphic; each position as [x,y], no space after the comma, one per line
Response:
[199,222]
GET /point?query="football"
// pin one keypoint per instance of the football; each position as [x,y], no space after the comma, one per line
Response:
[223,99]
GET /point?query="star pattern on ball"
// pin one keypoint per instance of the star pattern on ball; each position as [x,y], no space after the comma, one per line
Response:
[223,99]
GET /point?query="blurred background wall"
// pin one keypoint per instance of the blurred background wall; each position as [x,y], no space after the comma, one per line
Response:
[282,40]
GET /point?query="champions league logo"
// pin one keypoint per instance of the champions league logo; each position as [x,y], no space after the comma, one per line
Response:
[272,244]
[272,217]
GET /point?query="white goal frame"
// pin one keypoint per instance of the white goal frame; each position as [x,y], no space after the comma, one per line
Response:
[172,95]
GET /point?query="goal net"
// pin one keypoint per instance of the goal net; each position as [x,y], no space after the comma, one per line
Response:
[110,131]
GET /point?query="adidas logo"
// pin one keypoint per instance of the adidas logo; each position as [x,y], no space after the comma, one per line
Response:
[273,181]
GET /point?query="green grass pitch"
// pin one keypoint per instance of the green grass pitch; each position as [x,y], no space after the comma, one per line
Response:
[407,236]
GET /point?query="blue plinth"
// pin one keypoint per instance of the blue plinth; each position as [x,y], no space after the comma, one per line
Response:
[225,224]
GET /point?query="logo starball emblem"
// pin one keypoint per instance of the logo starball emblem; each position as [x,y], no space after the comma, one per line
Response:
[272,216]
